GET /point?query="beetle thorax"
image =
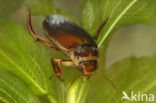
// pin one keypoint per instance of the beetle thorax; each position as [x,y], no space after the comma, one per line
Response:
[80,54]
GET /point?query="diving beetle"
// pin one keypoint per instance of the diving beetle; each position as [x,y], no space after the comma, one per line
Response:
[72,40]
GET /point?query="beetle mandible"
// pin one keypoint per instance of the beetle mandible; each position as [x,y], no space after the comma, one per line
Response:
[72,40]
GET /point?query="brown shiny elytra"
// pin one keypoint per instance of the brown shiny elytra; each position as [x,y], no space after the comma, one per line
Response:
[72,40]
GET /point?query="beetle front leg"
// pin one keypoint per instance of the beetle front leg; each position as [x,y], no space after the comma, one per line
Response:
[57,66]
[85,72]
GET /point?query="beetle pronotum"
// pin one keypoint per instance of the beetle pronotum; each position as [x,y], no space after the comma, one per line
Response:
[72,40]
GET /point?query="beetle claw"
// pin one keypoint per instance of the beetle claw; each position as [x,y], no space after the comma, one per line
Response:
[59,77]
[51,76]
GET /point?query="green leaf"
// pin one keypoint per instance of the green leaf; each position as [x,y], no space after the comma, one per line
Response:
[41,7]
[12,90]
[67,14]
[92,16]
[130,74]
[119,12]
[23,57]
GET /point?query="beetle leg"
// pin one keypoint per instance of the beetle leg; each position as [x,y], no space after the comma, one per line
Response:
[58,68]
[85,72]
[37,38]
[100,28]
[88,58]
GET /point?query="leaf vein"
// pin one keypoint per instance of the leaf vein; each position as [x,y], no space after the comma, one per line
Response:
[20,69]
[116,21]
[8,95]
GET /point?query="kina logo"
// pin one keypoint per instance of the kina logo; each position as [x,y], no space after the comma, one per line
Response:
[137,96]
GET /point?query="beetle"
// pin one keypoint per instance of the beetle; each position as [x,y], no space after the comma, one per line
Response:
[72,40]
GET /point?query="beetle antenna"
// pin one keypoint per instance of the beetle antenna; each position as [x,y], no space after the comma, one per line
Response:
[111,82]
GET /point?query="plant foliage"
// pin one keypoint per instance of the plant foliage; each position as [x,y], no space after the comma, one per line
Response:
[25,65]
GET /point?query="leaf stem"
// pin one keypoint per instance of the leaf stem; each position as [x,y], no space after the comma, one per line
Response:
[77,93]
[51,99]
